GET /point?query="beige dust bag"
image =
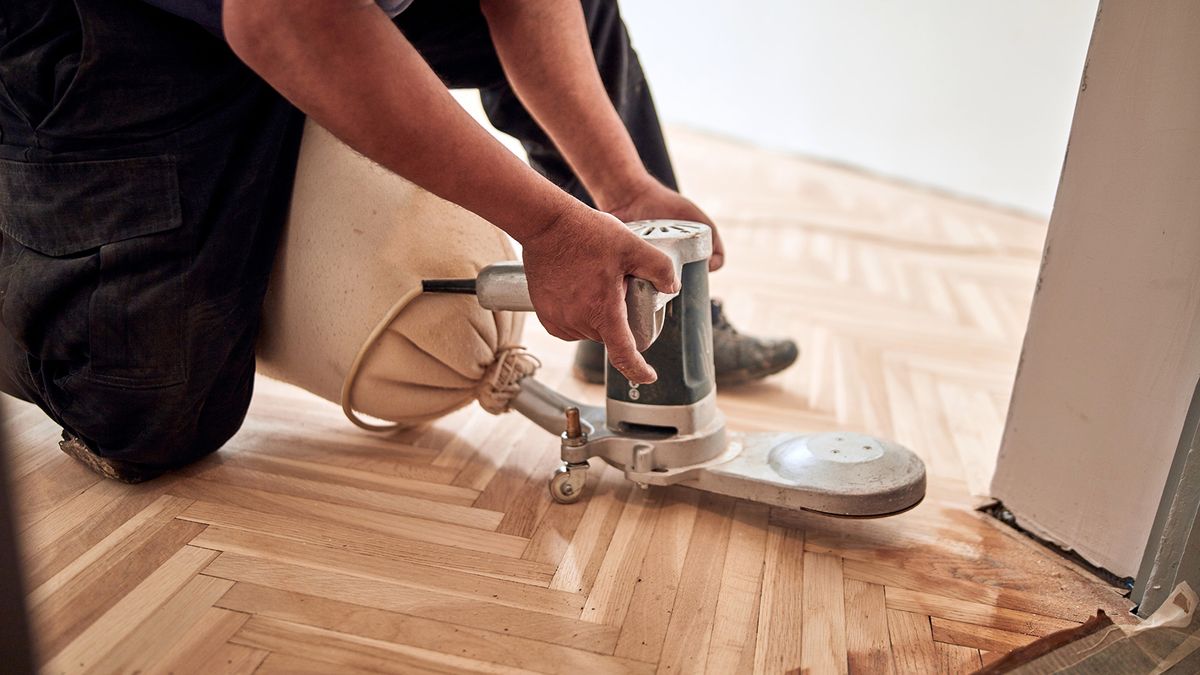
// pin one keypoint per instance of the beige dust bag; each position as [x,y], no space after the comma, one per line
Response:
[344,316]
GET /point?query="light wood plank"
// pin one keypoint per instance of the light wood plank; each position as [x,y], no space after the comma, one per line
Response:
[868,643]
[73,513]
[527,503]
[63,615]
[824,608]
[176,620]
[957,660]
[554,541]
[1011,620]
[615,582]
[341,499]
[341,650]
[201,649]
[780,615]
[233,507]
[330,444]
[477,613]
[979,637]
[56,480]
[736,623]
[424,577]
[989,657]
[231,659]
[689,633]
[133,532]
[221,538]
[77,528]
[287,664]
[323,473]
[915,577]
[116,624]
[587,543]
[472,643]
[913,649]
[650,608]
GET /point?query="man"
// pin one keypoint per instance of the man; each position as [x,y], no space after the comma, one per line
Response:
[146,156]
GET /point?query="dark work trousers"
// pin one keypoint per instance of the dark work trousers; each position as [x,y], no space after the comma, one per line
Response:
[144,180]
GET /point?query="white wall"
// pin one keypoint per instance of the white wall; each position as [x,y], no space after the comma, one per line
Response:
[1112,354]
[969,96]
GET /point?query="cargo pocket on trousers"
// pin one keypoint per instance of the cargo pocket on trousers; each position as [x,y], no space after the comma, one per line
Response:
[125,215]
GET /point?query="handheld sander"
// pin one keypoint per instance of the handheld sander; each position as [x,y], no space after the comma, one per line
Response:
[671,431]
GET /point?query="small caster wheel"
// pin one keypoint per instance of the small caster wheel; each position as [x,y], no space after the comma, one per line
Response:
[566,486]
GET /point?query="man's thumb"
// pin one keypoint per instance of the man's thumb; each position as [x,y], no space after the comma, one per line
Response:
[656,267]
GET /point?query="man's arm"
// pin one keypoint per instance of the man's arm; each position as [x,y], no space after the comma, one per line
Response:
[344,64]
[546,54]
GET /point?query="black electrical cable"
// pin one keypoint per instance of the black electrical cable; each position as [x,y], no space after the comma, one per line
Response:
[460,286]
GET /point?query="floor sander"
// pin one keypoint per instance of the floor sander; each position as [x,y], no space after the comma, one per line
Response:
[671,432]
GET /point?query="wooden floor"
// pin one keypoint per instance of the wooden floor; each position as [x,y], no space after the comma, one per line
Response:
[308,546]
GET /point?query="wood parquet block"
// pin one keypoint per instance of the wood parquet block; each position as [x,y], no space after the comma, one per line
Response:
[868,644]
[308,546]
[913,649]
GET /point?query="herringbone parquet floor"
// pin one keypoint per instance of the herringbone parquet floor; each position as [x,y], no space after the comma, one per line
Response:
[307,546]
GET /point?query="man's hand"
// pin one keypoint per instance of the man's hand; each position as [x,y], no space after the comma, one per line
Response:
[655,200]
[577,271]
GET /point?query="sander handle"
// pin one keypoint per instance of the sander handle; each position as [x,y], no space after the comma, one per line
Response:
[503,286]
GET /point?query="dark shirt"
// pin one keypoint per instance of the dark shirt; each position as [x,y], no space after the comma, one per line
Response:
[207,13]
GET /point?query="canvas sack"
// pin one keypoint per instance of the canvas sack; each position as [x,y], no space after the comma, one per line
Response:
[344,317]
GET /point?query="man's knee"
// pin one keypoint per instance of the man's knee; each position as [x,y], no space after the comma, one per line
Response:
[135,434]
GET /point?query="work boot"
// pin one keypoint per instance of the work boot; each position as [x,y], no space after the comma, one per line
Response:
[109,468]
[739,358]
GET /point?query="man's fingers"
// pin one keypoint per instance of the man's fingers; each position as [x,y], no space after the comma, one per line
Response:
[654,266]
[623,353]
[718,255]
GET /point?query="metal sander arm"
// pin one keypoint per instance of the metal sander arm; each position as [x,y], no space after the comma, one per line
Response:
[545,407]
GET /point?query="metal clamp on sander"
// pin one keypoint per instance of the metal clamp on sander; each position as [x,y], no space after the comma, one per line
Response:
[672,432]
